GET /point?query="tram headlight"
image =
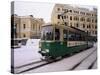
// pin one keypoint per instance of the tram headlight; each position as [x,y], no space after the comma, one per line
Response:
[47,50]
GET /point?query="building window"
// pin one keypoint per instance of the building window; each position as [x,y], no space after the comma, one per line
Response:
[67,16]
[65,10]
[83,25]
[95,32]
[24,35]
[82,13]
[92,14]
[92,26]
[66,24]
[89,26]
[24,26]
[77,12]
[70,17]
[77,25]
[64,17]
[33,26]
[92,20]
[95,27]
[39,27]
[70,11]
[71,24]
[95,20]
[88,20]
[82,19]
[58,9]
[76,18]
[59,16]
[88,14]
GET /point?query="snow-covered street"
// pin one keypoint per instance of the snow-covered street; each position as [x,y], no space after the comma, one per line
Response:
[29,53]
[68,63]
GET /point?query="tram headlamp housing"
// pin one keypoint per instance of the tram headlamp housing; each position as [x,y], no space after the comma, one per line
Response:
[47,50]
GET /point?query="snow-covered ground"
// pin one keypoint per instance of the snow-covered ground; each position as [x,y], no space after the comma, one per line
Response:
[95,65]
[68,63]
[87,62]
[27,54]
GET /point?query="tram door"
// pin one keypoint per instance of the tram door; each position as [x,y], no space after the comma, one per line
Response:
[57,34]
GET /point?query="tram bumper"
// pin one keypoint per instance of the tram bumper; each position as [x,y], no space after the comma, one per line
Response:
[44,52]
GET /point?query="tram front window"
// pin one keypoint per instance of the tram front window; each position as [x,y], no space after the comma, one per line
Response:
[47,33]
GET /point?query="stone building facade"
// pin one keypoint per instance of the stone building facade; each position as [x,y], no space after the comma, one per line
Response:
[78,17]
[27,27]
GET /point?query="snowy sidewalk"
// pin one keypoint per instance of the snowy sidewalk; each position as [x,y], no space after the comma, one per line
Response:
[27,54]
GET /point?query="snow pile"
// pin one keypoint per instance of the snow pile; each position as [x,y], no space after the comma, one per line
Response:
[32,42]
[27,54]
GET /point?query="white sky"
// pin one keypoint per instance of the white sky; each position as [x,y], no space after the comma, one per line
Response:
[38,10]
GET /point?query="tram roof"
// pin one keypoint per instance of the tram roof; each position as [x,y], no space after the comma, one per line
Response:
[73,29]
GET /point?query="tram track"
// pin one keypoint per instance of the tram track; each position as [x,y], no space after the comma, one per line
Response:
[78,64]
[27,64]
[60,65]
[38,64]
[91,66]
[31,66]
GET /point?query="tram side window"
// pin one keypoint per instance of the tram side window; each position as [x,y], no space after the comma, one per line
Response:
[65,35]
[71,36]
[57,34]
[78,37]
[74,36]
[83,37]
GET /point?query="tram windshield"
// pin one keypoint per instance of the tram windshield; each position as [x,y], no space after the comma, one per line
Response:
[47,33]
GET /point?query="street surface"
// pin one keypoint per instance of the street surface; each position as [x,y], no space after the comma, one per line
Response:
[27,54]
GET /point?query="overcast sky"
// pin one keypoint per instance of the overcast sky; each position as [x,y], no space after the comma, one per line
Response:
[38,10]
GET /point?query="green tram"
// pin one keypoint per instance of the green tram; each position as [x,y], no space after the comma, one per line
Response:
[60,40]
